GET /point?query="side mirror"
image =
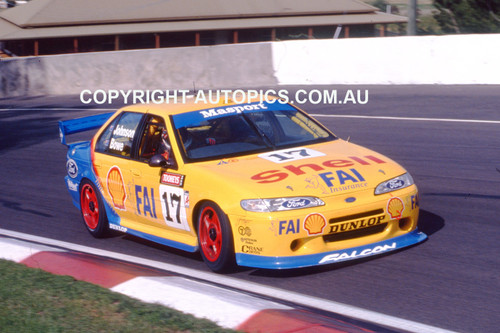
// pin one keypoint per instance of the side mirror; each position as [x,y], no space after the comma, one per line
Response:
[159,161]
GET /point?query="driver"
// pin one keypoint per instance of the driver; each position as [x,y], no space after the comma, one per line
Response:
[165,148]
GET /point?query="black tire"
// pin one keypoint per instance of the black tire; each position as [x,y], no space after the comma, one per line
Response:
[92,209]
[215,238]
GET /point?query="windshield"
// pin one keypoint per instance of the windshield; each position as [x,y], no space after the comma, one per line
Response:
[244,129]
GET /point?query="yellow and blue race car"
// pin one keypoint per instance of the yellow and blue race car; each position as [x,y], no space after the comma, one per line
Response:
[259,184]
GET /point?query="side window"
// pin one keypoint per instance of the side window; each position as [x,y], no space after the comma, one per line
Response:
[155,140]
[118,138]
[102,143]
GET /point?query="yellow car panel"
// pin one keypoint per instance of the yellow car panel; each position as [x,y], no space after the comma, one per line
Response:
[258,184]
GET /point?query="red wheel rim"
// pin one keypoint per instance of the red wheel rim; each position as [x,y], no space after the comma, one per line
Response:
[90,206]
[210,234]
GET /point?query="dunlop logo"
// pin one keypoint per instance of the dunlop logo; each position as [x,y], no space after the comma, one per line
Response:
[355,225]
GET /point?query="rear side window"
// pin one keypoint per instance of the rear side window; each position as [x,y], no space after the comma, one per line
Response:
[118,137]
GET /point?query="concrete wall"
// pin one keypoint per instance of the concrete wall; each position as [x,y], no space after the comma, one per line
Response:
[230,66]
[460,59]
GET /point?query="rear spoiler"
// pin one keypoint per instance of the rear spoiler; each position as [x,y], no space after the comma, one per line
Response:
[78,125]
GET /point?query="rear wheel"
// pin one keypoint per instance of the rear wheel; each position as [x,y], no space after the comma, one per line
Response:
[92,208]
[215,238]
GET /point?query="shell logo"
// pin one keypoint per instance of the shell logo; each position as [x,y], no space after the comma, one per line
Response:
[116,187]
[314,223]
[395,208]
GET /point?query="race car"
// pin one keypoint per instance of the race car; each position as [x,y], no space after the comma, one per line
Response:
[258,184]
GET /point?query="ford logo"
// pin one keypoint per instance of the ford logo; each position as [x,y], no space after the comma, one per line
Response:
[72,168]
[395,184]
[350,199]
[296,203]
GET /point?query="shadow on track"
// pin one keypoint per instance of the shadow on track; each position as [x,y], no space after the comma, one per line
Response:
[19,129]
[428,223]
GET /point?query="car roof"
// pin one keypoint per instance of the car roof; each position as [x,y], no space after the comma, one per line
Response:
[190,103]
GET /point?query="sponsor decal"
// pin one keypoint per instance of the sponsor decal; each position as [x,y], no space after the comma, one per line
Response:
[72,186]
[195,117]
[245,231]
[314,223]
[145,201]
[338,181]
[116,187]
[395,208]
[354,225]
[395,184]
[286,227]
[232,160]
[210,113]
[173,179]
[415,203]
[248,241]
[251,249]
[245,220]
[296,203]
[279,174]
[339,256]
[117,227]
[186,199]
[289,155]
[72,168]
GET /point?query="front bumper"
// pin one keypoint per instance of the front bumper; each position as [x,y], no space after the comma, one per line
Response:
[286,262]
[341,230]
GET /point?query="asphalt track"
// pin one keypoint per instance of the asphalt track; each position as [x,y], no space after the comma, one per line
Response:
[450,281]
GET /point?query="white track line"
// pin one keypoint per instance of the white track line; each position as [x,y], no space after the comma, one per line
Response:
[312,114]
[407,118]
[62,109]
[288,296]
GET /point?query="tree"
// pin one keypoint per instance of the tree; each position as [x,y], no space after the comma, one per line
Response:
[468,16]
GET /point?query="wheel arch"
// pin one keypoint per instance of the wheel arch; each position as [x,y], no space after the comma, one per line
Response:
[215,236]
[112,216]
[196,212]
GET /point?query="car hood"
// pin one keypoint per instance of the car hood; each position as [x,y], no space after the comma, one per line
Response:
[334,168]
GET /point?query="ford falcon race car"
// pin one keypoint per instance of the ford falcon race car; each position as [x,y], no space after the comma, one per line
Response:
[259,184]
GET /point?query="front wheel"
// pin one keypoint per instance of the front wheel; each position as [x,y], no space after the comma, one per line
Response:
[92,208]
[215,238]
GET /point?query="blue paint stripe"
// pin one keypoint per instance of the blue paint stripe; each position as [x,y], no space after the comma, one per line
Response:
[385,246]
[196,117]
[163,241]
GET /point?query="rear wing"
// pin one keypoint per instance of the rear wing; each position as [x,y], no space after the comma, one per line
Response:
[78,125]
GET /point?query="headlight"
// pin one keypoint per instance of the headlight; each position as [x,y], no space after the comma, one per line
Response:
[394,184]
[280,204]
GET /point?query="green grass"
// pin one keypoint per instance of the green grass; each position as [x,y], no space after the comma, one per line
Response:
[32,300]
